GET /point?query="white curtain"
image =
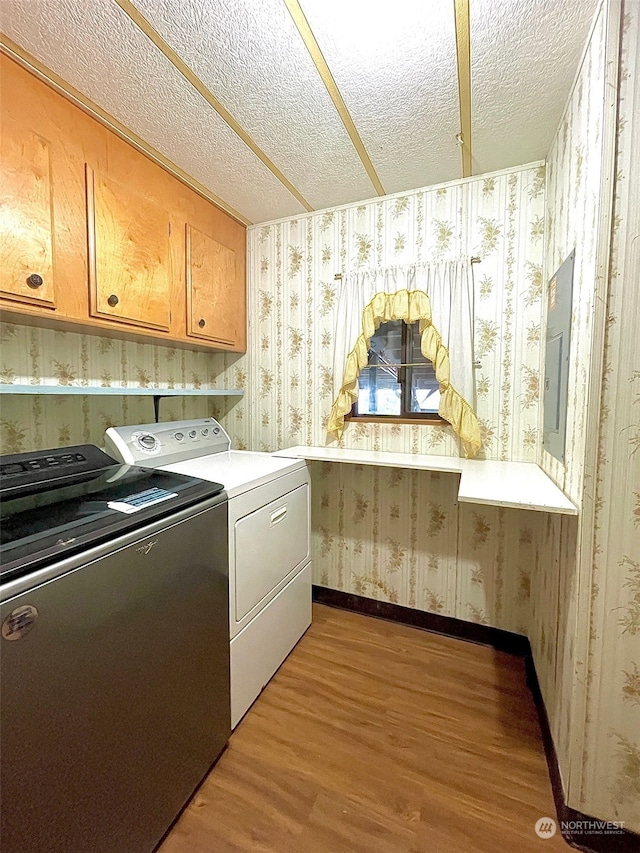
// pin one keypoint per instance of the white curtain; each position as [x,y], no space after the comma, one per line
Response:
[449,286]
[450,290]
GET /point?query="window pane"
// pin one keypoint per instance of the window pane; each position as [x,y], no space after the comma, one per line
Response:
[387,388]
[425,389]
[379,392]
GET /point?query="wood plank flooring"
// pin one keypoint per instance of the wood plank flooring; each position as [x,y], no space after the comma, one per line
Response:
[378,738]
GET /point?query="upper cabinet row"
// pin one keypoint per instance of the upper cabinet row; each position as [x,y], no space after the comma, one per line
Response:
[94,235]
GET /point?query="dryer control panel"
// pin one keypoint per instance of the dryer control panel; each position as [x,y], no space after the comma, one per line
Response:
[153,445]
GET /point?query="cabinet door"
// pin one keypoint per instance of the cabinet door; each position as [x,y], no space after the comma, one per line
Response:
[26,217]
[129,262]
[211,284]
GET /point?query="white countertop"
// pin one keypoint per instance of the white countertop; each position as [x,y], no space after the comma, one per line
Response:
[521,485]
[375,457]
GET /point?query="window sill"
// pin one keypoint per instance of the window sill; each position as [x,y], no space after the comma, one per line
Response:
[426,420]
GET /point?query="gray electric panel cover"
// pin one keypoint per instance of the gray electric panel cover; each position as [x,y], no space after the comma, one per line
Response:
[556,371]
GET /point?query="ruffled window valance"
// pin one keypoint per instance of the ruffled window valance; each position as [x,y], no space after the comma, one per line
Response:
[440,296]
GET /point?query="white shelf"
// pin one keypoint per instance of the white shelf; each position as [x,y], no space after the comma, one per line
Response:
[522,485]
[519,485]
[116,390]
[379,458]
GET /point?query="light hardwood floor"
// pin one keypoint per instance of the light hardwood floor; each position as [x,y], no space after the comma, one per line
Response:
[378,738]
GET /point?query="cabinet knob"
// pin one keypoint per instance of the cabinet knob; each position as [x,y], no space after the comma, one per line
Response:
[113,300]
[201,323]
[34,280]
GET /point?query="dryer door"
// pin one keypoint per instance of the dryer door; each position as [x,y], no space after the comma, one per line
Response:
[269,544]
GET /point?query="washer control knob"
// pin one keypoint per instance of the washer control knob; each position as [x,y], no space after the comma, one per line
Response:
[216,430]
[192,433]
[179,436]
[205,432]
[147,441]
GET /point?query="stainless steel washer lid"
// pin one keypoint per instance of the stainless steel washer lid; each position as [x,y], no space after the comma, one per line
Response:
[57,505]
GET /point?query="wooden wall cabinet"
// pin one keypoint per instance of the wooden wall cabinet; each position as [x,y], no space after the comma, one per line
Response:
[26,217]
[212,306]
[120,246]
[129,258]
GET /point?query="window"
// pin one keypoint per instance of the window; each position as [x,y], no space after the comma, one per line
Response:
[398,382]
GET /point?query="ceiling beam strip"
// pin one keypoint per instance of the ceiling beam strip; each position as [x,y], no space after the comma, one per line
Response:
[141,22]
[463,53]
[320,62]
[62,87]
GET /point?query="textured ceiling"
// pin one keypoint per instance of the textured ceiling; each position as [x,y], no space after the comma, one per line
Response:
[252,54]
[524,58]
[394,66]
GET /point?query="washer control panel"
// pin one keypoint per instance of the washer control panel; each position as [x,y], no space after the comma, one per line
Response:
[164,444]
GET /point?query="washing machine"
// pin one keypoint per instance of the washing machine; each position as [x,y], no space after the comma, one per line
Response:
[269,500]
[107,623]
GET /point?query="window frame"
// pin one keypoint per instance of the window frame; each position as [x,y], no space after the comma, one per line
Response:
[406,416]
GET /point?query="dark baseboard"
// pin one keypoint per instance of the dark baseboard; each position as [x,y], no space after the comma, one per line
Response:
[573,824]
[504,641]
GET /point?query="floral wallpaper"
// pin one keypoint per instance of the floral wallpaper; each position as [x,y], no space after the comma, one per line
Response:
[573,194]
[609,782]
[585,606]
[293,297]
[400,535]
[35,356]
